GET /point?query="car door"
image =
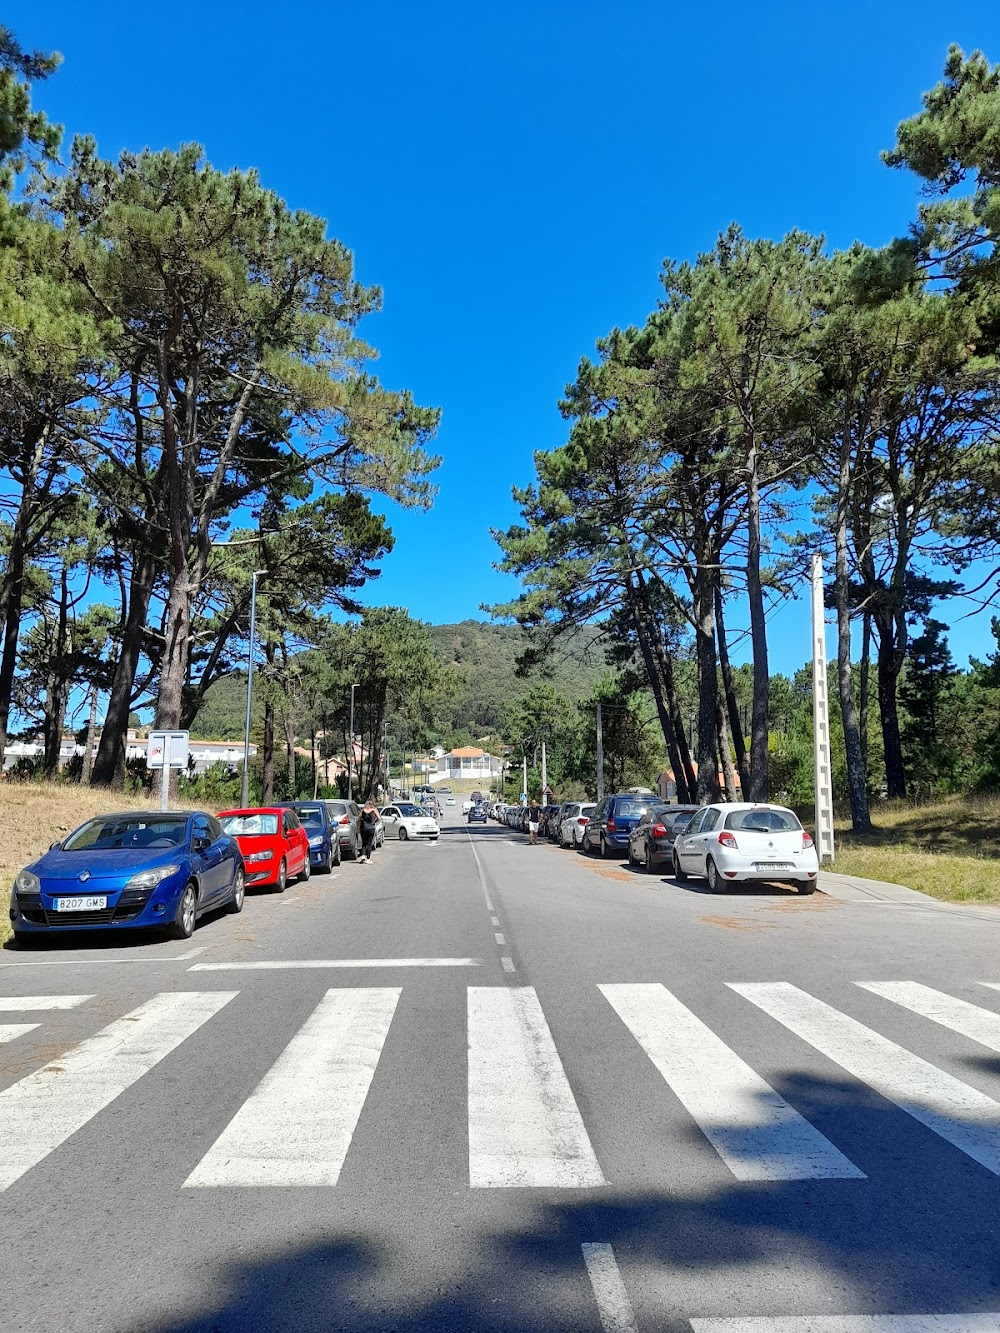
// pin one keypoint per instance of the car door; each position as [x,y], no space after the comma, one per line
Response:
[686,846]
[592,833]
[210,865]
[298,842]
[391,817]
[705,838]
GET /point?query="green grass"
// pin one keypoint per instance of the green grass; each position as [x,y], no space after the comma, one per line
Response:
[949,849]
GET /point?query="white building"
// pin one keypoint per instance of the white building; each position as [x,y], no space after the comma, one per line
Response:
[467,762]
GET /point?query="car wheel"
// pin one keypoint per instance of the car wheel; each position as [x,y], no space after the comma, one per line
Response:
[806,886]
[649,862]
[680,874]
[239,893]
[327,865]
[604,849]
[631,859]
[715,884]
[187,913]
[403,835]
[306,870]
[282,877]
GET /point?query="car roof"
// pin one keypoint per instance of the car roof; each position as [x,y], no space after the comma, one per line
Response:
[255,810]
[148,814]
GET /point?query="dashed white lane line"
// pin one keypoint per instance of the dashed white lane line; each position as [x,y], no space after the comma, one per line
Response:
[42,1110]
[495,920]
[10,1004]
[507,963]
[294,964]
[613,1304]
[853,1323]
[482,874]
[525,1128]
[287,902]
[499,937]
[297,1127]
[11,1031]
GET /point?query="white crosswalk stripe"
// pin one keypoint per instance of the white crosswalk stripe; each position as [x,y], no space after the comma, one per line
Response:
[11,1031]
[754,1130]
[16,1004]
[960,1114]
[296,1128]
[42,1110]
[852,1323]
[959,1015]
[525,1128]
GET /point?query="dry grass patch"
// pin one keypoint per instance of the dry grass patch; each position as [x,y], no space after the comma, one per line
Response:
[34,815]
[949,849]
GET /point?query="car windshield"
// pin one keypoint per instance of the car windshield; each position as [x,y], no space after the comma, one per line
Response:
[127,831]
[311,816]
[410,810]
[763,821]
[250,826]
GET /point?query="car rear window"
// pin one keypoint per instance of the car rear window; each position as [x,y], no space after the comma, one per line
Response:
[250,826]
[762,821]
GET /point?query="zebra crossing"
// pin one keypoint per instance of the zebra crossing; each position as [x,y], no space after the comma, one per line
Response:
[525,1125]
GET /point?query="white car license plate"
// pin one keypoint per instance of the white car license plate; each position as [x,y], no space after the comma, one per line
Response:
[773,865]
[81,904]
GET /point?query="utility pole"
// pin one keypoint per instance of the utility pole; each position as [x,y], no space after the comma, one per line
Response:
[823,769]
[350,752]
[545,778]
[245,785]
[600,753]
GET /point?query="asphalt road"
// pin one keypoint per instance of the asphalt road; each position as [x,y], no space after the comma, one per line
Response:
[544,1092]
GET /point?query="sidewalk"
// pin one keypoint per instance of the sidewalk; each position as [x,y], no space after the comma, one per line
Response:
[854,889]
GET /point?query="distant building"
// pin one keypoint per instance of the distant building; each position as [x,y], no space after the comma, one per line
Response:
[467,761]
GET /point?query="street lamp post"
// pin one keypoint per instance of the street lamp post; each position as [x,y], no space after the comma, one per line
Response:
[245,787]
[350,752]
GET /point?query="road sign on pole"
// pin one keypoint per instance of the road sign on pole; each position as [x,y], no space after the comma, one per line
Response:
[166,750]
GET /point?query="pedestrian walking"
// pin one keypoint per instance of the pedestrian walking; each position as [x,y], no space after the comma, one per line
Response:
[533,818]
[369,821]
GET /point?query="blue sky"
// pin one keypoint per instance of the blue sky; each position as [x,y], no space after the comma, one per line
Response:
[513,176]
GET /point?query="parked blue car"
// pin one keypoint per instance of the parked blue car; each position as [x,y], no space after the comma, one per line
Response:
[611,824]
[324,834]
[135,869]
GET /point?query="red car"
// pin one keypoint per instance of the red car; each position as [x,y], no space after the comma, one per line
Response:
[274,844]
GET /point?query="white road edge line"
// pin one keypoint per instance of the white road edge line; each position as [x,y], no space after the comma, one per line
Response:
[298,963]
[10,1004]
[103,962]
[852,1323]
[11,1031]
[613,1304]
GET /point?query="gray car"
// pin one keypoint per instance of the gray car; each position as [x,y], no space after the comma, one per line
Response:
[347,817]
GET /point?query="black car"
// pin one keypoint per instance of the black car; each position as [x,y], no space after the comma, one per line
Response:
[651,842]
[477,815]
[324,840]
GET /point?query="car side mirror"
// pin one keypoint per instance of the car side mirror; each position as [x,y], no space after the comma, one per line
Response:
[55,846]
[199,843]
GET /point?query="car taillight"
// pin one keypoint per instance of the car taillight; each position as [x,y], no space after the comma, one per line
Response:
[807,841]
[658,831]
[583,820]
[727,840]
[344,819]
[611,824]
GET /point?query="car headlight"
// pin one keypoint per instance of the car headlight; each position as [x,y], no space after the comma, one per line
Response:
[316,842]
[148,879]
[26,882]
[259,856]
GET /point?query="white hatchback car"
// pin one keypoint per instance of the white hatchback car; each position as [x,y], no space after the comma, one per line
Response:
[746,843]
[575,816]
[405,820]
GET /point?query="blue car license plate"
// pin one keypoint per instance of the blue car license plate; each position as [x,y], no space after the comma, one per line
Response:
[93,904]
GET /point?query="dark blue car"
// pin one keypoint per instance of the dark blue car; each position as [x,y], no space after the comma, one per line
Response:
[610,826]
[135,869]
[323,833]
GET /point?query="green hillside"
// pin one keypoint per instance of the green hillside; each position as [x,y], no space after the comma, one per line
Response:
[480,661]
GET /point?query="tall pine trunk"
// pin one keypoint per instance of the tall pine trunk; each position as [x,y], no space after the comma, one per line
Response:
[725,754]
[267,780]
[857,778]
[708,685]
[759,720]
[887,670]
[642,630]
[732,705]
[55,702]
[109,765]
